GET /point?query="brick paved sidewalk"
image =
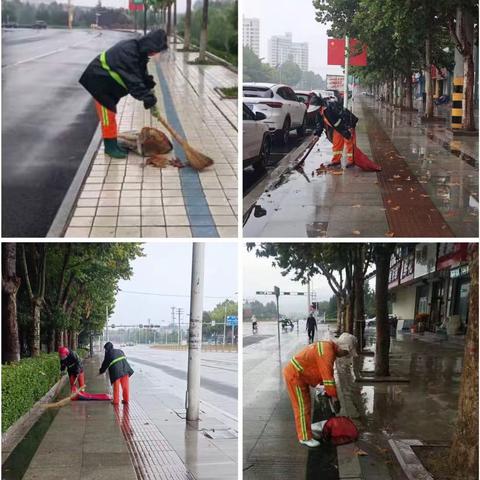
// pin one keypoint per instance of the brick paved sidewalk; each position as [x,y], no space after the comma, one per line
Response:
[125,198]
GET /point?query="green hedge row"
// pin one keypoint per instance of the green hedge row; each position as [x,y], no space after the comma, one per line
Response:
[25,382]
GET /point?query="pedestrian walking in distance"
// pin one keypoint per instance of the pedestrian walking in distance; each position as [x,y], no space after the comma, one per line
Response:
[71,362]
[311,327]
[312,366]
[117,72]
[119,372]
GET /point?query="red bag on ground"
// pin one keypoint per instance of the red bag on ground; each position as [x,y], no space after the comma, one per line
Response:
[91,396]
[340,430]
[363,162]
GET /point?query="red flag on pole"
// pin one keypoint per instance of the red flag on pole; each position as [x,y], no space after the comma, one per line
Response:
[336,52]
[135,5]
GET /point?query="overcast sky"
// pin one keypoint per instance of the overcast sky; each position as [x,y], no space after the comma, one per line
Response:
[166,270]
[258,275]
[280,16]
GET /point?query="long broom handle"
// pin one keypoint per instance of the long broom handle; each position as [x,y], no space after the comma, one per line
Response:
[172,131]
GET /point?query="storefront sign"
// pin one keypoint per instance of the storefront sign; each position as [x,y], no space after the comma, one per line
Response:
[459,271]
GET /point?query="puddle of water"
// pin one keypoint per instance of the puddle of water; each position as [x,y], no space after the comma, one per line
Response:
[17,463]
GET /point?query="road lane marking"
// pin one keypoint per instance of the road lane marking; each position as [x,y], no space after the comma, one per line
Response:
[53,52]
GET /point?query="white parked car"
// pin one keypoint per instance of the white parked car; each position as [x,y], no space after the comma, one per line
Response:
[283,109]
[257,141]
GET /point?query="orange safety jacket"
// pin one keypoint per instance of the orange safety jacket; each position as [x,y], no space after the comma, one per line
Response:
[314,365]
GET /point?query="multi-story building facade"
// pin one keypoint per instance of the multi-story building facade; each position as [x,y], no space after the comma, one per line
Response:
[281,48]
[251,34]
[430,281]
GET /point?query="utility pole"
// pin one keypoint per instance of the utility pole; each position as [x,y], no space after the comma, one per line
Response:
[179,313]
[277,294]
[225,326]
[195,333]
[347,61]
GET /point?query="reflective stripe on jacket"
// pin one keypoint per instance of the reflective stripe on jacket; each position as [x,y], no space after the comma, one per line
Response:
[314,365]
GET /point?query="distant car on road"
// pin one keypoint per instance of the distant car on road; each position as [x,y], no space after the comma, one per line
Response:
[10,25]
[40,24]
[283,109]
[257,141]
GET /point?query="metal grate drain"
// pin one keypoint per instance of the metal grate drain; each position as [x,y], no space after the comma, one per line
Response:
[152,455]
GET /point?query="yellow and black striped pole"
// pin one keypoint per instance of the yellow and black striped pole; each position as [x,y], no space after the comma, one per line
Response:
[457,103]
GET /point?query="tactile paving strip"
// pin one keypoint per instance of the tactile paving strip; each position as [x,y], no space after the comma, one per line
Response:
[153,457]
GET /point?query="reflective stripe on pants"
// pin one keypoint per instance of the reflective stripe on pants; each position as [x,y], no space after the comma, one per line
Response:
[125,383]
[299,393]
[337,148]
[107,120]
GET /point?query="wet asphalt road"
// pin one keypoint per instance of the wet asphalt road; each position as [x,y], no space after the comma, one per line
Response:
[251,176]
[48,120]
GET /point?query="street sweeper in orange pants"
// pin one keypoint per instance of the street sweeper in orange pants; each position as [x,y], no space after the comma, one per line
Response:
[119,371]
[71,362]
[312,366]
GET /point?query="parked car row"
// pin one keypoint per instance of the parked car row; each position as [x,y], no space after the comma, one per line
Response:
[271,111]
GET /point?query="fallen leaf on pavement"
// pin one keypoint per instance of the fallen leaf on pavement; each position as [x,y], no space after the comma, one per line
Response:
[424,195]
[336,172]
[390,234]
[360,452]
[396,176]
[356,232]
[396,208]
[356,206]
[399,189]
[389,201]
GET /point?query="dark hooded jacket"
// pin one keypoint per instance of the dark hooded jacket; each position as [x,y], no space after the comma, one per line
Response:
[338,118]
[116,362]
[311,323]
[124,71]
[72,363]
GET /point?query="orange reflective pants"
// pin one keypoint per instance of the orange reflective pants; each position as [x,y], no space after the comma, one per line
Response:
[81,381]
[299,393]
[107,120]
[337,148]
[125,383]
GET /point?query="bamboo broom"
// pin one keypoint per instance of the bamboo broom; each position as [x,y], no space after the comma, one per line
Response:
[197,160]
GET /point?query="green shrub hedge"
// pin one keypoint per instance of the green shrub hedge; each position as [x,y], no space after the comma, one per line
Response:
[25,382]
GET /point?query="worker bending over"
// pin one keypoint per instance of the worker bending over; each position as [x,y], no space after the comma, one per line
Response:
[312,366]
[117,72]
[119,372]
[71,362]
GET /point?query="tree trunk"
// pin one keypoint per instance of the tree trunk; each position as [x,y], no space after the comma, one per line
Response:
[339,315]
[383,253]
[349,314]
[469,73]
[10,286]
[91,345]
[175,21]
[463,457]
[34,343]
[409,102]
[401,91]
[428,78]
[169,20]
[204,32]
[358,285]
[188,23]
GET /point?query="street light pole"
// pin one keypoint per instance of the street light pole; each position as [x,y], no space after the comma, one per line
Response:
[195,333]
[225,325]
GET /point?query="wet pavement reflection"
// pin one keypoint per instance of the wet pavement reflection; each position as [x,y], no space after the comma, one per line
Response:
[427,189]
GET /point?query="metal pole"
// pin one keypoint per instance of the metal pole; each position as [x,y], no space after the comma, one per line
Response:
[195,333]
[347,61]
[225,325]
[278,322]
[308,298]
[144,17]
[233,333]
